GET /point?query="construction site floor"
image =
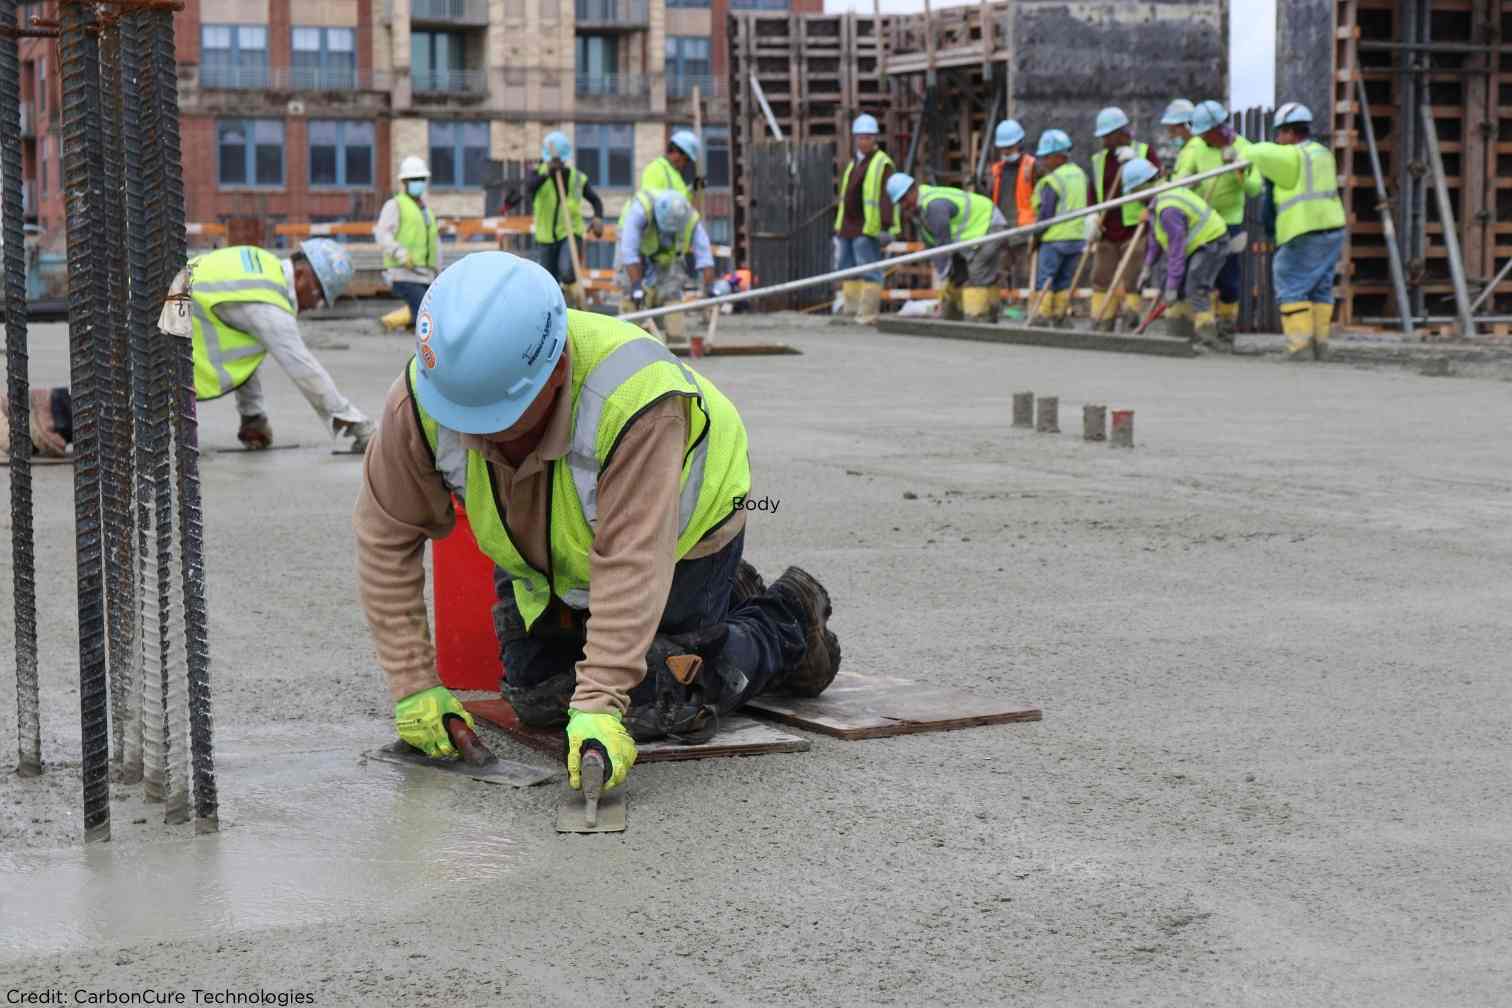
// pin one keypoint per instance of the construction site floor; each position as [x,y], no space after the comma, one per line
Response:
[1269,642]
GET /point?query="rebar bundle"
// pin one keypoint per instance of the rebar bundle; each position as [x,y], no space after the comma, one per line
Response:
[144,655]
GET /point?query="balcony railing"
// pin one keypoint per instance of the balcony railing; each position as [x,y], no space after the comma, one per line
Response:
[453,12]
[322,78]
[613,86]
[613,13]
[681,85]
[449,82]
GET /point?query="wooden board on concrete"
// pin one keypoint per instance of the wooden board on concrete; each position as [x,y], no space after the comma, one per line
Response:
[1065,339]
[863,707]
[739,350]
[738,736]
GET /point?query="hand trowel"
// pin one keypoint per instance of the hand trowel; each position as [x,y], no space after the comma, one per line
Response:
[475,761]
[593,810]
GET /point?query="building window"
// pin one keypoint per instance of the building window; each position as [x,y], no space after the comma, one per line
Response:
[774,5]
[688,63]
[234,56]
[324,58]
[341,153]
[716,146]
[606,151]
[438,61]
[689,3]
[458,154]
[251,152]
[719,230]
[597,65]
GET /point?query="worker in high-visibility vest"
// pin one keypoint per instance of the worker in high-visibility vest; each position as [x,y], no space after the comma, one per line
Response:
[1011,185]
[552,225]
[655,234]
[1061,189]
[410,238]
[1194,241]
[1214,144]
[242,303]
[863,221]
[1310,231]
[677,169]
[1177,120]
[1114,228]
[967,280]
[606,480]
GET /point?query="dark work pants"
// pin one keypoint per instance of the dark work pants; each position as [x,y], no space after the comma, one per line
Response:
[557,259]
[1229,277]
[412,293]
[765,634]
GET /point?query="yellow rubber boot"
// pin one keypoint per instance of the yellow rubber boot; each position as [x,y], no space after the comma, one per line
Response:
[1179,321]
[1133,310]
[1206,323]
[951,309]
[399,318]
[851,306]
[672,328]
[870,304]
[1297,324]
[1099,301]
[1322,317]
[979,304]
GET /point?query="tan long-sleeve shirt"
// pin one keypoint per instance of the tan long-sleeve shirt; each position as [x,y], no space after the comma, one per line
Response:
[404,501]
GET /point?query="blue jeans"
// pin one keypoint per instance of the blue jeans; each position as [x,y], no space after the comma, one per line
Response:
[858,252]
[1229,276]
[413,294]
[1057,264]
[1304,267]
[764,637]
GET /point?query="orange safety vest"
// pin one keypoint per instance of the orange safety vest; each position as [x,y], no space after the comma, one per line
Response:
[1024,190]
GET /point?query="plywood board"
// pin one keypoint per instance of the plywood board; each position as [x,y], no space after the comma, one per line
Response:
[863,707]
[1066,339]
[738,736]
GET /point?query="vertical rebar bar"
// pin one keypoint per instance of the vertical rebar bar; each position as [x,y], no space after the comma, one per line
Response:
[186,439]
[88,289]
[18,377]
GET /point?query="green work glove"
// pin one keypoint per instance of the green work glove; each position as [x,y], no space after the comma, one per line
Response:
[608,731]
[421,720]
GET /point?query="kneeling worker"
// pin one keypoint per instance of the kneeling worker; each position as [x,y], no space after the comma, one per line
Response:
[1194,239]
[245,300]
[656,233]
[591,461]
[1309,228]
[967,280]
[1061,189]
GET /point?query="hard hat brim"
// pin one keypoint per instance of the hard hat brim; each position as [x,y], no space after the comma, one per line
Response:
[492,417]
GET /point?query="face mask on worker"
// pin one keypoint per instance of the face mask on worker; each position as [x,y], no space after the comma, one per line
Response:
[415,187]
[1010,156]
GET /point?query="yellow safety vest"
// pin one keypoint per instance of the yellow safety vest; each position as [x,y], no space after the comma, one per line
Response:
[972,218]
[224,358]
[1070,185]
[871,194]
[660,174]
[651,247]
[1129,211]
[1224,193]
[548,229]
[418,234]
[1203,224]
[1313,203]
[622,371]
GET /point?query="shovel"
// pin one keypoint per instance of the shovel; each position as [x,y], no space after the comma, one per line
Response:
[477,762]
[593,811]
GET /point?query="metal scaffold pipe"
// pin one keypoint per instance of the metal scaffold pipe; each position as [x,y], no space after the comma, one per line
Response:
[930,253]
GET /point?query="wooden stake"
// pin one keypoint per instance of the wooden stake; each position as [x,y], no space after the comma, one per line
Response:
[566,225]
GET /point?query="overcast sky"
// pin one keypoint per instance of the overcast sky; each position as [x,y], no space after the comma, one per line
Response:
[1252,43]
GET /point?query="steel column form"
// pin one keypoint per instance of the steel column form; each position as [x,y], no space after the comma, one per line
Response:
[18,376]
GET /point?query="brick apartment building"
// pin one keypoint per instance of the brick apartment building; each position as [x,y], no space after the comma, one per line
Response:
[303,111]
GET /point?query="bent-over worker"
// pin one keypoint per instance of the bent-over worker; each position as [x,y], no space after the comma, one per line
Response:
[243,306]
[605,480]
[409,236]
[1214,144]
[967,280]
[552,224]
[1194,241]
[656,233]
[863,221]
[1061,189]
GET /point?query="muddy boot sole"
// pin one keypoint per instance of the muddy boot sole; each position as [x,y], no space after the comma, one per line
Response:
[748,584]
[814,672]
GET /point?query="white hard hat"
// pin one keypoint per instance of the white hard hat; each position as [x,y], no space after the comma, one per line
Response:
[1178,113]
[1293,113]
[413,168]
[1136,174]
[671,211]
[1208,115]
[1052,141]
[898,185]
[687,142]
[1109,120]
[864,124]
[1008,133]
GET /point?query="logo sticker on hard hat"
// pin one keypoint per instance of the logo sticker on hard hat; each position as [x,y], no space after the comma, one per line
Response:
[427,355]
[423,326]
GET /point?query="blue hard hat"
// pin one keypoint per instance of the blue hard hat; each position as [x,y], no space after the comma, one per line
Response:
[1108,120]
[1293,112]
[556,145]
[670,210]
[1208,115]
[488,334]
[685,141]
[1053,141]
[1136,173]
[332,266]
[865,124]
[898,185]
[1178,113]
[1008,134]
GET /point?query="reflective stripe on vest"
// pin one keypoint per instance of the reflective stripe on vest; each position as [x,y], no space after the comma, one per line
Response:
[1129,212]
[225,357]
[1303,209]
[547,219]
[972,217]
[418,234]
[871,194]
[1203,225]
[1070,185]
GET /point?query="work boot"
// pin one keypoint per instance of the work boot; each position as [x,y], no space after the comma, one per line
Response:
[850,305]
[1297,324]
[545,704]
[686,687]
[871,303]
[255,432]
[360,431]
[748,583]
[1130,320]
[1322,315]
[814,671]
[1207,330]
[1228,320]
